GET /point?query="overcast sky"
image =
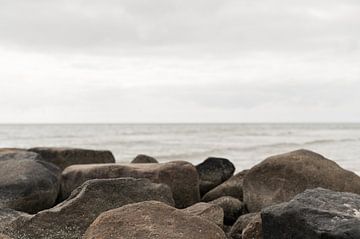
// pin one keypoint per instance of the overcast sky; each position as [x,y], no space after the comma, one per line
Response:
[179,61]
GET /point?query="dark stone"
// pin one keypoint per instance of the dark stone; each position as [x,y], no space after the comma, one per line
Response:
[150,220]
[233,208]
[279,178]
[71,218]
[142,158]
[26,183]
[64,157]
[232,187]
[180,176]
[214,171]
[314,214]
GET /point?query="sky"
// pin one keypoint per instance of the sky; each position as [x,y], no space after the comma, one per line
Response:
[139,61]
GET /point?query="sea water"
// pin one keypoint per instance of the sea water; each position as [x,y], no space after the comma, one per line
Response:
[244,144]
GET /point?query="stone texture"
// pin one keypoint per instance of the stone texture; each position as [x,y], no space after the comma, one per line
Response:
[233,208]
[142,158]
[212,172]
[26,183]
[314,214]
[241,223]
[71,218]
[2,236]
[253,230]
[64,157]
[207,211]
[180,176]
[279,178]
[232,187]
[150,220]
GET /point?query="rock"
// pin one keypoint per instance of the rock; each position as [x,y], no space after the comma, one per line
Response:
[241,223]
[233,208]
[149,220]
[315,213]
[64,157]
[71,218]
[232,187]
[2,236]
[180,176]
[26,183]
[142,158]
[212,172]
[208,211]
[253,230]
[279,178]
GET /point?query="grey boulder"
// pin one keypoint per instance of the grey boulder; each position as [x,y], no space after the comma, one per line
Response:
[314,214]
[71,218]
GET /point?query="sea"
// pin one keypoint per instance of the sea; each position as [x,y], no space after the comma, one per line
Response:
[244,144]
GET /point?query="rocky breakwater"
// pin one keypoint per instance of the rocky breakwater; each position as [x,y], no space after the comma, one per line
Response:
[181,177]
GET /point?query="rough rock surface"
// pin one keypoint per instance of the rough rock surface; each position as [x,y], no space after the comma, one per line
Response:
[180,176]
[214,171]
[279,178]
[64,157]
[233,208]
[253,230]
[142,158]
[150,220]
[241,223]
[315,213]
[71,218]
[2,236]
[26,183]
[208,211]
[232,187]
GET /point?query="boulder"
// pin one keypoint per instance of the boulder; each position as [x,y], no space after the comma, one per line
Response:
[64,157]
[233,208]
[253,230]
[180,176]
[232,187]
[71,218]
[2,236]
[149,220]
[142,158]
[241,223]
[315,213]
[26,183]
[212,172]
[208,211]
[279,178]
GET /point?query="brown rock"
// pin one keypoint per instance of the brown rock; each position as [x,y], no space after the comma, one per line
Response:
[2,236]
[253,230]
[150,220]
[26,183]
[71,218]
[212,172]
[233,208]
[208,211]
[232,187]
[142,158]
[279,178]
[241,223]
[64,157]
[180,176]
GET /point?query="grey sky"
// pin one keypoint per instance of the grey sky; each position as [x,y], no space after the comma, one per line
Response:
[179,61]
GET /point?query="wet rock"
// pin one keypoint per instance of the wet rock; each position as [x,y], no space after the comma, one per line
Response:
[180,176]
[315,213]
[142,158]
[208,211]
[214,171]
[232,187]
[71,218]
[149,220]
[233,208]
[26,183]
[279,178]
[64,157]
